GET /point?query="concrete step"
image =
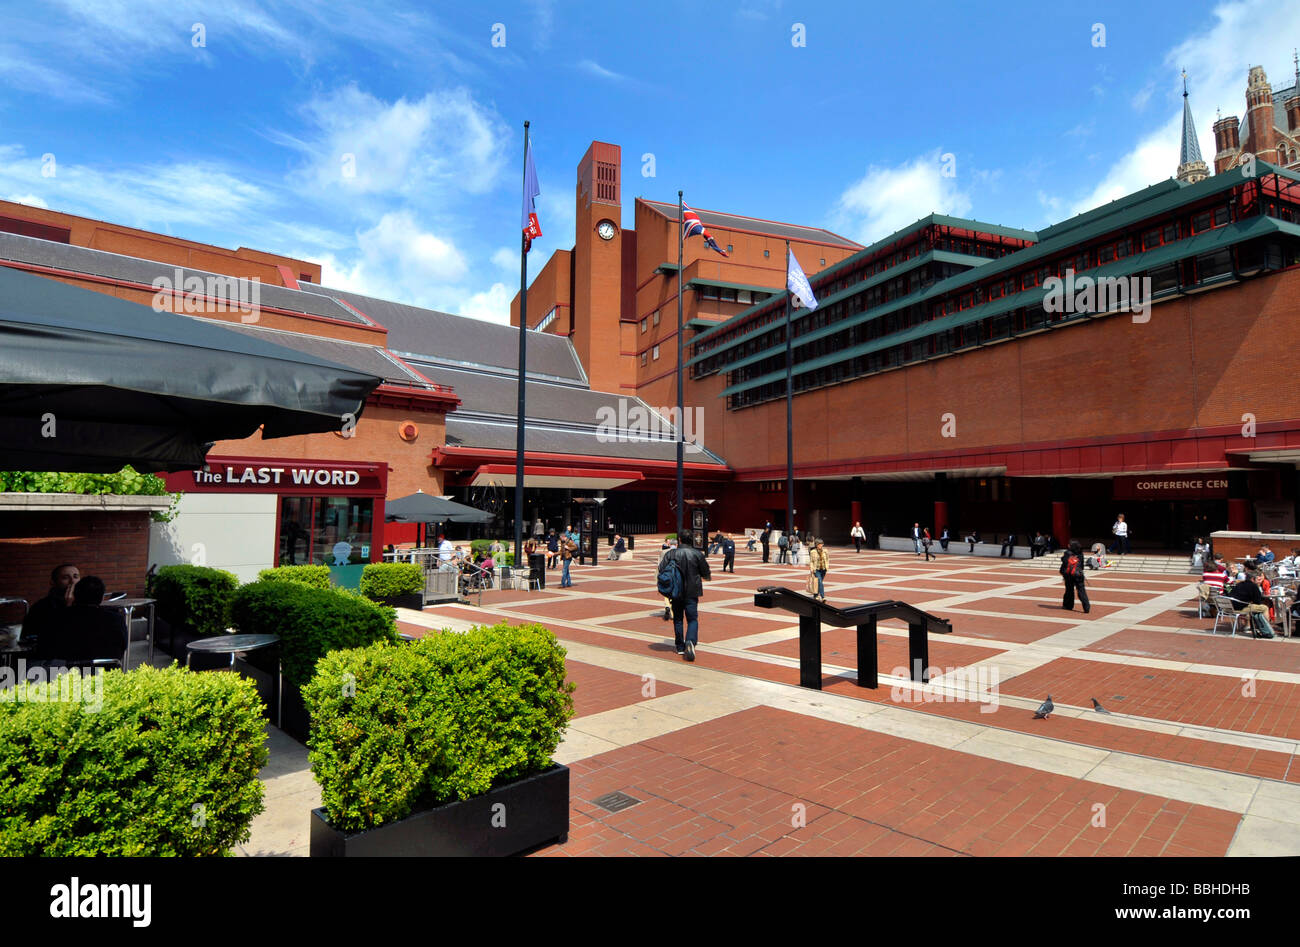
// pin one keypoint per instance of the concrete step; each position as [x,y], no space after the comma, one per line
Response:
[1134,562]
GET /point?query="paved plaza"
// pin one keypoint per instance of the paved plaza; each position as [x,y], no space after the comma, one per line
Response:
[729,756]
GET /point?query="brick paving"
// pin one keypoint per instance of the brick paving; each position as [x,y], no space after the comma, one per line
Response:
[726,785]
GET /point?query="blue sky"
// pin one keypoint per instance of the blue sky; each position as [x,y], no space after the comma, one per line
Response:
[229,122]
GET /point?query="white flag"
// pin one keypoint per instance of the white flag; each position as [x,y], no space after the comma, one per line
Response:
[798,284]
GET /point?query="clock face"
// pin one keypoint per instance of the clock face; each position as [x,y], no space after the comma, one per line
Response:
[606,229]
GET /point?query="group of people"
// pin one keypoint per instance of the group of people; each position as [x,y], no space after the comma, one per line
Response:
[554,550]
[68,626]
[789,547]
[1247,587]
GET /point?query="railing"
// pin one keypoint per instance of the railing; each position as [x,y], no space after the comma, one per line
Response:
[813,614]
[473,579]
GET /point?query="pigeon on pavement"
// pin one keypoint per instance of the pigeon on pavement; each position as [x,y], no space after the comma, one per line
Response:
[1096,705]
[1045,709]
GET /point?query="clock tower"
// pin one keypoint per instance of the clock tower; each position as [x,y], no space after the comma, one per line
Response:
[599,251]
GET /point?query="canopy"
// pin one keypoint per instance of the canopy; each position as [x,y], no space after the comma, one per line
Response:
[89,383]
[421,507]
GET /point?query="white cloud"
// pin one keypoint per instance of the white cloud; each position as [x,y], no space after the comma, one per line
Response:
[441,144]
[1216,72]
[491,306]
[593,68]
[887,199]
[506,258]
[31,200]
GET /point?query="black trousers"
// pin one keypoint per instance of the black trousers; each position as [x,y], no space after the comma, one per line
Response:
[1008,550]
[729,561]
[857,543]
[765,551]
[1071,586]
[943,544]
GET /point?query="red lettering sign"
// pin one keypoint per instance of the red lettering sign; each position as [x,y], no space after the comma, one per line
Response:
[280,476]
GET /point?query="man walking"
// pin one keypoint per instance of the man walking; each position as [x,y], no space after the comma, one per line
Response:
[694,569]
[567,547]
[728,554]
[859,537]
[916,537]
[1072,573]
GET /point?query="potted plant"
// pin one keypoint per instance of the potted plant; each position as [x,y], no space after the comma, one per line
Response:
[310,622]
[193,602]
[442,746]
[395,584]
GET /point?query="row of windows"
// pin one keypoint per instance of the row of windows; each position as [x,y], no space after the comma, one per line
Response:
[1202,270]
[645,324]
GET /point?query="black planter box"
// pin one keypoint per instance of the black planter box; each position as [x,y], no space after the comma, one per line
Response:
[536,811]
[413,600]
[294,719]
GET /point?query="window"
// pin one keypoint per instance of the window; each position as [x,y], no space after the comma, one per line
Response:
[1105,254]
[1213,265]
[1151,238]
[644,325]
[744,296]
[767,253]
[656,353]
[656,317]
[1170,233]
[730,248]
[823,261]
[1220,216]
[643,359]
[1201,222]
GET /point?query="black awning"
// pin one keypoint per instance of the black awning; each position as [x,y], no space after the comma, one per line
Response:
[89,383]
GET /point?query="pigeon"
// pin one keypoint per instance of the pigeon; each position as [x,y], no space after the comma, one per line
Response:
[1045,709]
[1096,705]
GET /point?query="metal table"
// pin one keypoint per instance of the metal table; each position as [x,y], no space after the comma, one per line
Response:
[129,605]
[233,644]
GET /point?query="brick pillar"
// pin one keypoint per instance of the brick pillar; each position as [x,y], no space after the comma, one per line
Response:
[855,512]
[1241,517]
[1061,521]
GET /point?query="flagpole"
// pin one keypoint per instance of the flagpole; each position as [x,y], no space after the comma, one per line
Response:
[789,403]
[681,498]
[523,369]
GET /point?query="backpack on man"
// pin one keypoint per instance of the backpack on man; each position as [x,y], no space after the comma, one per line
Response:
[669,581]
[1071,568]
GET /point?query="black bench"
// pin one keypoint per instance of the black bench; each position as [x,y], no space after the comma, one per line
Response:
[813,614]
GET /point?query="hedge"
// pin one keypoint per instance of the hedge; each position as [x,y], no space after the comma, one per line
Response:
[194,596]
[381,580]
[448,716]
[165,762]
[317,577]
[310,622]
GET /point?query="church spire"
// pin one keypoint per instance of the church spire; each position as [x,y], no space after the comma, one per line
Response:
[1191,167]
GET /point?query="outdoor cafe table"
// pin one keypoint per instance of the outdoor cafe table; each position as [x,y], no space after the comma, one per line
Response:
[231,644]
[129,605]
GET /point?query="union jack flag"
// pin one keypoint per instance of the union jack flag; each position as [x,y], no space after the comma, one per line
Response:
[692,225]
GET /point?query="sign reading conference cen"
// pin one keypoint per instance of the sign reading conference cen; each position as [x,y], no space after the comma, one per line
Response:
[276,476]
[1171,487]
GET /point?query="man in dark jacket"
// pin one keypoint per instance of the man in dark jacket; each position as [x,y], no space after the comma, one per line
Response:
[43,615]
[694,568]
[1072,572]
[728,554]
[765,538]
[1248,595]
[83,631]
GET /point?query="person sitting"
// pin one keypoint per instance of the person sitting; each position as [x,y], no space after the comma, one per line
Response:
[1038,546]
[1265,556]
[616,551]
[752,543]
[1051,542]
[42,615]
[84,632]
[973,538]
[1098,558]
[1247,596]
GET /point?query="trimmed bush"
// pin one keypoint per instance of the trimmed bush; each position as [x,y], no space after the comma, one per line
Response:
[446,717]
[381,580]
[150,762]
[310,622]
[318,577]
[195,597]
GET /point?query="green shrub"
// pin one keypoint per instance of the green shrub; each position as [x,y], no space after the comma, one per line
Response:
[381,580]
[164,762]
[194,596]
[310,622]
[445,717]
[317,577]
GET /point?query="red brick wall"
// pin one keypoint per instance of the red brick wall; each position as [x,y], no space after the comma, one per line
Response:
[112,545]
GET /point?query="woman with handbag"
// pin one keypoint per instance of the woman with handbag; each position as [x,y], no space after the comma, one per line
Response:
[819,564]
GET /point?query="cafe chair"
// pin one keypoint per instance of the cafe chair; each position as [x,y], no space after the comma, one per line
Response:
[1224,610]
